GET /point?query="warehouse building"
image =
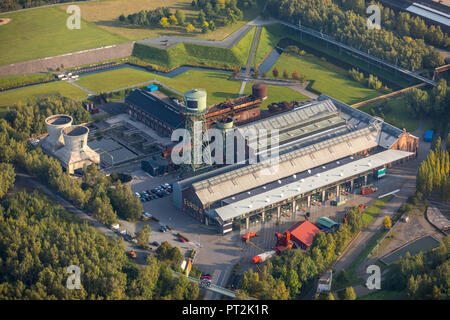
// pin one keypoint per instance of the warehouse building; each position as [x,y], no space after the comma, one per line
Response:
[324,147]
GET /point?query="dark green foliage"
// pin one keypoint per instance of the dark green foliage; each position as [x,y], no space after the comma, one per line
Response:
[7,177]
[350,27]
[123,177]
[39,240]
[433,173]
[169,254]
[29,119]
[423,276]
[143,236]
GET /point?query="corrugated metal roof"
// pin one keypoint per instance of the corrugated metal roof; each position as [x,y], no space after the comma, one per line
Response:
[236,181]
[155,107]
[309,184]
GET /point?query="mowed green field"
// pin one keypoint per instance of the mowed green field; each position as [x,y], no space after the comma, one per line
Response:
[326,77]
[43,32]
[15,96]
[216,84]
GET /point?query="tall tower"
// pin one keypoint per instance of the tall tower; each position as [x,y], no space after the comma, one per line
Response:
[195,109]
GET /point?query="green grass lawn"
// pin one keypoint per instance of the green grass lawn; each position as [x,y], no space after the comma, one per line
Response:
[371,212]
[105,14]
[393,111]
[42,32]
[277,94]
[270,35]
[326,78]
[216,84]
[11,97]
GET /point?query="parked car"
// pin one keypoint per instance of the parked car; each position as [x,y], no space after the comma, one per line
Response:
[155,243]
[146,216]
[132,254]
[137,194]
[162,229]
[205,276]
[182,239]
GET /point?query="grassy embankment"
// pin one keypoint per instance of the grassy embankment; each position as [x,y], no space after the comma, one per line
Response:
[42,32]
[195,55]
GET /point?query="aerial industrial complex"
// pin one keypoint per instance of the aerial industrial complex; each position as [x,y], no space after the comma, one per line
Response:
[245,150]
[324,147]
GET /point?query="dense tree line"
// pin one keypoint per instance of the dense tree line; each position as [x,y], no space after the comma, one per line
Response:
[39,240]
[7,178]
[29,119]
[433,103]
[284,275]
[96,192]
[10,5]
[423,276]
[433,173]
[350,27]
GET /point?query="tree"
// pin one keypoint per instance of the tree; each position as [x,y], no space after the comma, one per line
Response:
[212,25]
[190,27]
[180,17]
[349,294]
[122,18]
[143,235]
[164,22]
[275,72]
[285,74]
[387,222]
[173,20]
[295,75]
[302,78]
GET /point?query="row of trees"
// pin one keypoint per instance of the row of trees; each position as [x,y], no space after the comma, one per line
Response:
[295,75]
[158,17]
[350,27]
[372,81]
[423,276]
[39,240]
[433,173]
[284,275]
